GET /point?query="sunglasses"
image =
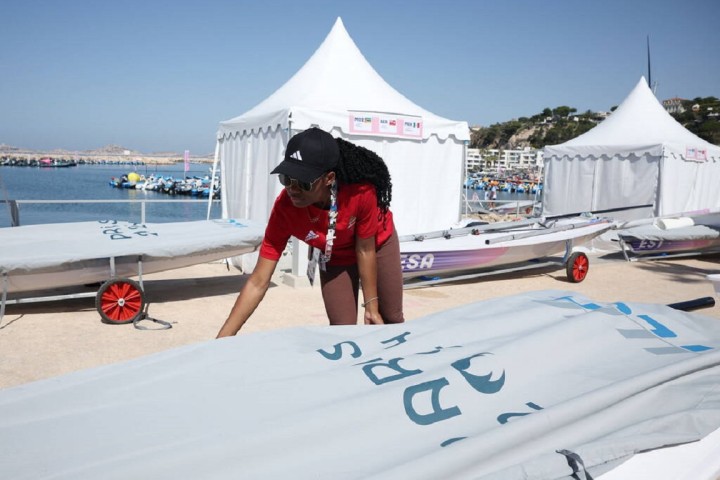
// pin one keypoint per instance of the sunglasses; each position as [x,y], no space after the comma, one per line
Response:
[304,186]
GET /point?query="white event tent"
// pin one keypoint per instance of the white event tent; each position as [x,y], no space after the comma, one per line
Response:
[339,91]
[640,155]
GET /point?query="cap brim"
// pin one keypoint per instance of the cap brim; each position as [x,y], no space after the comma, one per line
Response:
[298,170]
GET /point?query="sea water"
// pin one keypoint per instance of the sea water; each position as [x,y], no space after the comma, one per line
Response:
[92,182]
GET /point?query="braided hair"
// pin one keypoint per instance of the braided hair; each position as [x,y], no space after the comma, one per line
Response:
[358,164]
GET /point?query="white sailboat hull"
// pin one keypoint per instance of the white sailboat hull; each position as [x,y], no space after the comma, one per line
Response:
[490,249]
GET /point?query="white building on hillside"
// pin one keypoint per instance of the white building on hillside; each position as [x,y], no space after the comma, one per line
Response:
[473,159]
[495,159]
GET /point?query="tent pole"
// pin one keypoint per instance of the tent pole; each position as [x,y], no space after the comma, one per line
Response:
[464,171]
[299,261]
[212,178]
[298,276]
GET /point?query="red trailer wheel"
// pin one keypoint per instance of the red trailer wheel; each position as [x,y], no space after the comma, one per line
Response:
[577,267]
[120,301]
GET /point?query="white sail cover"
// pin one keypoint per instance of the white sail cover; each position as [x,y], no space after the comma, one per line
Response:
[536,386]
[34,257]
[639,155]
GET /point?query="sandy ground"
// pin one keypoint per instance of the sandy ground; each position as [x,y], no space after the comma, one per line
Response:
[41,340]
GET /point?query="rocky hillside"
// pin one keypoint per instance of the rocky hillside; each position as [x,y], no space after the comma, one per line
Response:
[558,125]
[550,127]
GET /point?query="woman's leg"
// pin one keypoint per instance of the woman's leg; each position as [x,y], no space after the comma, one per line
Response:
[389,280]
[340,293]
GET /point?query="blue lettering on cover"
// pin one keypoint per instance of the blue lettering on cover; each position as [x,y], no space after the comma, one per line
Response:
[480,383]
[437,414]
[402,338]
[393,365]
[337,353]
[505,417]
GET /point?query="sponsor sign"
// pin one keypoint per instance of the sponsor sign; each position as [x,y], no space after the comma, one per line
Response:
[406,126]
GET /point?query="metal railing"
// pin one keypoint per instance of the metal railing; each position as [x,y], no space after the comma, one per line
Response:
[15,211]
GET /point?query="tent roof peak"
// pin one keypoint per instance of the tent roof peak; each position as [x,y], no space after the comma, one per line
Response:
[336,80]
[640,120]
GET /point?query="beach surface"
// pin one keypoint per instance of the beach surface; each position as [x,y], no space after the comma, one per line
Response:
[43,340]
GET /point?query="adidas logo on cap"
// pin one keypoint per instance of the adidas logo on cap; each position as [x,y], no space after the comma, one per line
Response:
[296,155]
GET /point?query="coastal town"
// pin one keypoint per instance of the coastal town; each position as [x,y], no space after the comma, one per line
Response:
[515,145]
[107,155]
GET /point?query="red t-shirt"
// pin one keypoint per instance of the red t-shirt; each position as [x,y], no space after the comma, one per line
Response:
[358,216]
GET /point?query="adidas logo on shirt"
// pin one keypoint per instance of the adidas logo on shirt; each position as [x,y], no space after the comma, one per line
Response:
[296,156]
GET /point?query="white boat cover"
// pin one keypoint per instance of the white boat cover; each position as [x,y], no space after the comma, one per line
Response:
[61,254]
[655,234]
[544,385]
[684,234]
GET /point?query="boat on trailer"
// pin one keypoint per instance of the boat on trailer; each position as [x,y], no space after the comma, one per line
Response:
[40,257]
[682,235]
[478,250]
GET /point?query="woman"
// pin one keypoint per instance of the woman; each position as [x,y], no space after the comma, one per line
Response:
[336,198]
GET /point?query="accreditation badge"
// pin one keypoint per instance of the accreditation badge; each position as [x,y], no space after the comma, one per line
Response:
[313,258]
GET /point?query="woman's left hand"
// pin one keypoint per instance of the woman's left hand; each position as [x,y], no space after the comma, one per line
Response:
[373,318]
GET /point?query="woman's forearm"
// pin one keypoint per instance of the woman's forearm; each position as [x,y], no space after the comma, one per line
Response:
[367,268]
[249,298]
[245,304]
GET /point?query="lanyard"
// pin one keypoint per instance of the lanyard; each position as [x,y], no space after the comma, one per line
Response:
[332,221]
[315,254]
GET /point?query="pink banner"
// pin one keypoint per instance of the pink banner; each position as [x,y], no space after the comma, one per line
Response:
[381,124]
[698,154]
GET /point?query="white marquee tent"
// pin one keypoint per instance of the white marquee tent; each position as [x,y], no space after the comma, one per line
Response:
[339,91]
[640,155]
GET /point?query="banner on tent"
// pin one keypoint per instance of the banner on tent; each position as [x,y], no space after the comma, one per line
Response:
[365,123]
[697,154]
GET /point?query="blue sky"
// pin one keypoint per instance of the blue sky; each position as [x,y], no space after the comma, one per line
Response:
[159,75]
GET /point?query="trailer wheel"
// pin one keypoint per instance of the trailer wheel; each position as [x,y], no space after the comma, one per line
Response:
[577,267]
[120,301]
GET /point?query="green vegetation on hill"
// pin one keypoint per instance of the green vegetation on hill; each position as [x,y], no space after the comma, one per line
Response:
[702,117]
[558,125]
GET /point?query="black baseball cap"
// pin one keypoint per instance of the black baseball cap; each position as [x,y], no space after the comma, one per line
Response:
[309,154]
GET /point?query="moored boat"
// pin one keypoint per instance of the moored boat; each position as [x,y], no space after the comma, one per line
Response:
[195,186]
[55,163]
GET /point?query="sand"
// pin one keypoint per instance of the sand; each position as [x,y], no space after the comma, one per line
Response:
[42,340]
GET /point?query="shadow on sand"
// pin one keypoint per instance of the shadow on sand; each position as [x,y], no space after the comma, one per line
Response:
[81,298]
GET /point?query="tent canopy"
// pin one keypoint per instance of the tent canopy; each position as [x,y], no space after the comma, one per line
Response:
[339,91]
[335,81]
[640,155]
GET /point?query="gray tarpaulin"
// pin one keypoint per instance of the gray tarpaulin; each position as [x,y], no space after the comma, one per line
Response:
[535,386]
[34,257]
